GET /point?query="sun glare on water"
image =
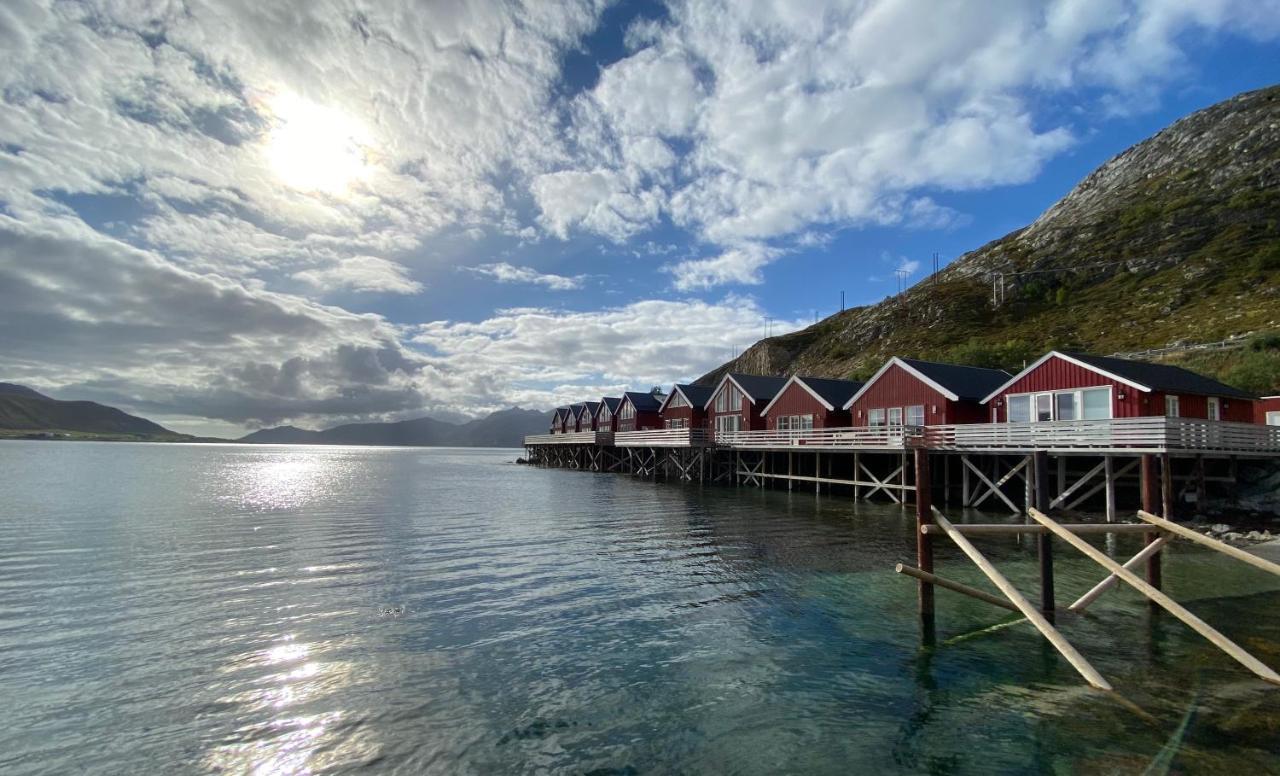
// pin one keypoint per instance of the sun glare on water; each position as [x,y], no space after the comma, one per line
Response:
[313,148]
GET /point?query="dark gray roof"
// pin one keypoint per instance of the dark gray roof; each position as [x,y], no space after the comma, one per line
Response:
[698,395]
[759,387]
[1160,377]
[611,402]
[835,392]
[643,402]
[591,406]
[972,383]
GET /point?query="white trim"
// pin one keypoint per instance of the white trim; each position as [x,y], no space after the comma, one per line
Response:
[1053,403]
[909,370]
[675,388]
[728,378]
[800,381]
[1069,360]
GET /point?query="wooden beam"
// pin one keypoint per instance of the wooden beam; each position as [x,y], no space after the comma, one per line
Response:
[1065,493]
[924,542]
[993,488]
[1029,611]
[1083,601]
[1220,641]
[1210,542]
[998,529]
[957,587]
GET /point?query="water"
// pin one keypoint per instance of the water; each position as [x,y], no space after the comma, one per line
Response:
[229,609]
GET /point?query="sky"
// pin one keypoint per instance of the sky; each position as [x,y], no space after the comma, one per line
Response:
[229,215]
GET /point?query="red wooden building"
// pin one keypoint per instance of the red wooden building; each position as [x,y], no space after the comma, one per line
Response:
[574,422]
[909,392]
[557,420]
[736,402]
[1267,411]
[639,411]
[606,413]
[810,402]
[1078,386]
[685,406]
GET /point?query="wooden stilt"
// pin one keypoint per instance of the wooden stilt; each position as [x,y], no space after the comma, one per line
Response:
[1166,485]
[964,480]
[1207,541]
[924,545]
[1150,489]
[1044,542]
[1037,619]
[958,587]
[1201,490]
[1109,473]
[1234,650]
[1147,551]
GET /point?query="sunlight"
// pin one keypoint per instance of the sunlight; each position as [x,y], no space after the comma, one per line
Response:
[314,148]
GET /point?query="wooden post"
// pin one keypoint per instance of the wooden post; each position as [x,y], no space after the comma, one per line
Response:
[1044,541]
[1030,485]
[790,470]
[817,474]
[857,490]
[1149,504]
[964,481]
[946,480]
[1062,475]
[1109,472]
[1166,485]
[1201,490]
[924,545]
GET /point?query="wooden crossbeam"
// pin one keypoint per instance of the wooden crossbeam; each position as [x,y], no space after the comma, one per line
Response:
[1199,538]
[1220,641]
[1066,494]
[1033,615]
[1146,552]
[992,488]
[957,587]
[881,484]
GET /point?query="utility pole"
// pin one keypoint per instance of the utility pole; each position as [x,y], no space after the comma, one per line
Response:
[935,267]
[902,276]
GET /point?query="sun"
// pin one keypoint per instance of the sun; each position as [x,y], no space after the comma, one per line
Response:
[314,148]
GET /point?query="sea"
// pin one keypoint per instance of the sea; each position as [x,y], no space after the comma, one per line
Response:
[293,609]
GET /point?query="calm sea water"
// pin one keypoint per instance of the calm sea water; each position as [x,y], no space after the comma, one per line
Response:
[228,609]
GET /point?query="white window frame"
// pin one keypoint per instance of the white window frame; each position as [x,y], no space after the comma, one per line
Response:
[1273,418]
[727,424]
[1172,406]
[906,414]
[876,417]
[1214,408]
[1033,399]
[895,411]
[676,423]
[677,400]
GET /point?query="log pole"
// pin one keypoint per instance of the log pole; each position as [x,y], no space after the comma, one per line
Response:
[1150,491]
[1199,538]
[958,587]
[1044,541]
[1147,551]
[924,545]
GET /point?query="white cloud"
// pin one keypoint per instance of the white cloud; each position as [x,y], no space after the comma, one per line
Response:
[741,265]
[509,273]
[362,273]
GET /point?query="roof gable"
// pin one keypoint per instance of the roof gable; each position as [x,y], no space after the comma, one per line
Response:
[954,381]
[830,393]
[695,395]
[643,402]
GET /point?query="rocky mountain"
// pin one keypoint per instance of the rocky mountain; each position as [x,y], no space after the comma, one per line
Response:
[506,428]
[1176,239]
[24,411]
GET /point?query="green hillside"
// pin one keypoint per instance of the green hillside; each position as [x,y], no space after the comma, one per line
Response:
[24,412]
[1176,240]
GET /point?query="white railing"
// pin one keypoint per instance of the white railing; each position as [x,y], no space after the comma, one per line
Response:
[663,437]
[1153,434]
[868,437]
[571,438]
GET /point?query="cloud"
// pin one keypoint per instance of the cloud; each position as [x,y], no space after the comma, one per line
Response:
[362,273]
[508,273]
[740,265]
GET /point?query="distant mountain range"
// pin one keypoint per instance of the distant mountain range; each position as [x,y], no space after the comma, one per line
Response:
[506,428]
[29,412]
[25,412]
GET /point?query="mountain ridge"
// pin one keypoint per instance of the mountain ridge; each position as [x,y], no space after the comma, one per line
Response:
[1174,238]
[504,428]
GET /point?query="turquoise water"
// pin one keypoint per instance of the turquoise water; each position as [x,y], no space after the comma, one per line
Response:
[229,609]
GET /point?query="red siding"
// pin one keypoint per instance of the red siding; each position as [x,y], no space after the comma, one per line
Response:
[899,388]
[1059,374]
[751,419]
[1263,406]
[795,400]
[694,417]
[643,421]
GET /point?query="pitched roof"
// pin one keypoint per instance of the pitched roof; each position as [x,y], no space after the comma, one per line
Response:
[591,407]
[643,402]
[611,402]
[956,382]
[1141,375]
[696,395]
[832,393]
[1159,377]
[757,387]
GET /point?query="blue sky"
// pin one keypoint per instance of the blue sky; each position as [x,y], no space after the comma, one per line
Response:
[245,214]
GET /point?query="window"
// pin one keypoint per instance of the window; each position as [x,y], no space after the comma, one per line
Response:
[677,400]
[875,417]
[677,423]
[628,411]
[1019,409]
[895,416]
[729,399]
[1044,407]
[1096,403]
[1171,406]
[1273,418]
[795,423]
[1215,410]
[728,423]
[605,414]
[915,415]
[1065,406]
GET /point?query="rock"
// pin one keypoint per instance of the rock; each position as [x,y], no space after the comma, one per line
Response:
[1255,536]
[1231,536]
[1219,528]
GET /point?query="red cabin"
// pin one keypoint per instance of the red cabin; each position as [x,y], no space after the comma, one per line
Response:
[639,412]
[908,392]
[736,402]
[587,416]
[606,413]
[557,420]
[1077,386]
[810,402]
[685,407]
[573,423]
[1267,411]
